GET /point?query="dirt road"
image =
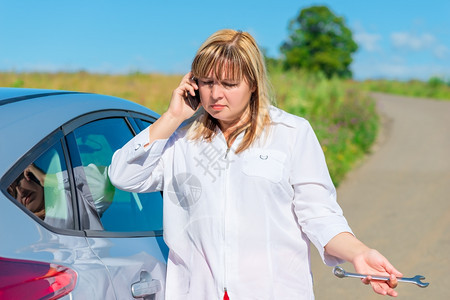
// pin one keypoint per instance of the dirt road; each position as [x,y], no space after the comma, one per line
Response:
[398,201]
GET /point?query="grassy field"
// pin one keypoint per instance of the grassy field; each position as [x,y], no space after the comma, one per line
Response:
[342,114]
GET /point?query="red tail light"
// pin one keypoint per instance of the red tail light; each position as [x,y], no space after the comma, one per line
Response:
[24,279]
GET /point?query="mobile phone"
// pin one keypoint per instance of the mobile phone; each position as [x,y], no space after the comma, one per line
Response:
[193,101]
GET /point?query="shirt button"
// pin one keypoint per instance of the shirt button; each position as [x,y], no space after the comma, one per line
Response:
[136,148]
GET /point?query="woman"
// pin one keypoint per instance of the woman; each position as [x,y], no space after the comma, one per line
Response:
[246,185]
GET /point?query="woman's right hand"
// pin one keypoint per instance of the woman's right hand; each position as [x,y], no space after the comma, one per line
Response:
[178,111]
[179,107]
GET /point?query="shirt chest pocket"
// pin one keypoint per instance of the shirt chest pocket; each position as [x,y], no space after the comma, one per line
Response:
[268,164]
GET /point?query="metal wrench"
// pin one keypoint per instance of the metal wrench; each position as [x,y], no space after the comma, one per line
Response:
[341,273]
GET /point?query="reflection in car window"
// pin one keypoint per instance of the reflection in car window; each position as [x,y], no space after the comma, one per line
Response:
[146,123]
[43,188]
[121,211]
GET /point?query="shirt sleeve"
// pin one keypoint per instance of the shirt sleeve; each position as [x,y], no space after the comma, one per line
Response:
[138,165]
[315,206]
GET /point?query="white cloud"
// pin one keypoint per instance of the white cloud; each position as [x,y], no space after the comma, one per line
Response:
[441,52]
[426,42]
[368,41]
[410,41]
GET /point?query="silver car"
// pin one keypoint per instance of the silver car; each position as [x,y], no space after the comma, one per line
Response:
[65,231]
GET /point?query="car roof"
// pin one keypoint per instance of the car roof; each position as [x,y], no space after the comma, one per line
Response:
[11,93]
[29,115]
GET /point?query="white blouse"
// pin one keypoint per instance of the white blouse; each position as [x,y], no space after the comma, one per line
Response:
[241,222]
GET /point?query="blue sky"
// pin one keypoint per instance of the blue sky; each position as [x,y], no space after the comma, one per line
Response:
[400,39]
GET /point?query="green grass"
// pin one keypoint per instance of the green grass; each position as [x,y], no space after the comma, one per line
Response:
[341,113]
[435,88]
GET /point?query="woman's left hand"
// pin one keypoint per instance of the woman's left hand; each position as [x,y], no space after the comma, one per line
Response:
[365,261]
[373,263]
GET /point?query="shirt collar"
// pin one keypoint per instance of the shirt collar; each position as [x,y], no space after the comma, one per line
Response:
[279,116]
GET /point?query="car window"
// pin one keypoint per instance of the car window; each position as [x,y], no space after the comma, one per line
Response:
[117,210]
[43,188]
[142,123]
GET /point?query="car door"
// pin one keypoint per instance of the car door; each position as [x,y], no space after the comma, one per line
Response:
[126,230]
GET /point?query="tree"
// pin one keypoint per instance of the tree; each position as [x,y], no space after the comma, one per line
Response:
[319,41]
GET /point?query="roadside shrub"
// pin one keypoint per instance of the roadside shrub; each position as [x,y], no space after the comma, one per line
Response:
[343,116]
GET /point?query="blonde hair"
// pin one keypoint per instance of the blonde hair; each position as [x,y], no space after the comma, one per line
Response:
[234,55]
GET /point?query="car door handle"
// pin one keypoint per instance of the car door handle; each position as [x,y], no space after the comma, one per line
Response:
[145,287]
